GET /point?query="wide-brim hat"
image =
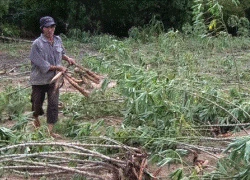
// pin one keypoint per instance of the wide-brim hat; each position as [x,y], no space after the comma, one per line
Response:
[46,21]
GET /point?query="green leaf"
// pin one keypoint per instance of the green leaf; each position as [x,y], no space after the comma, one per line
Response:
[247,152]
[165,161]
[177,175]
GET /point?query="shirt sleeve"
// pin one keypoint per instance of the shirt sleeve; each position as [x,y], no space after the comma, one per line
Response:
[36,57]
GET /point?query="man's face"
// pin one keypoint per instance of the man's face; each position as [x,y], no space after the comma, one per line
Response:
[49,31]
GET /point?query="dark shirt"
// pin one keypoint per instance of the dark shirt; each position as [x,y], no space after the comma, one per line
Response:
[43,54]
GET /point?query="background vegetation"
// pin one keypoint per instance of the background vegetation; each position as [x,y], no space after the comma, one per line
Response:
[21,17]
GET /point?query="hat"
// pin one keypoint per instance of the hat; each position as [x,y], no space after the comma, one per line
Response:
[46,21]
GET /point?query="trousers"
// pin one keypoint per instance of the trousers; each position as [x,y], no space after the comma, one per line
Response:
[37,99]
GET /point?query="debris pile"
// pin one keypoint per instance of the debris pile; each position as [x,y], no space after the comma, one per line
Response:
[61,159]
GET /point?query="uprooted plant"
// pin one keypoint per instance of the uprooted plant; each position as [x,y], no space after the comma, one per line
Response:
[86,77]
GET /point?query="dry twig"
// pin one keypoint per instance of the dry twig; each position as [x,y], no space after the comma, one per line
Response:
[57,160]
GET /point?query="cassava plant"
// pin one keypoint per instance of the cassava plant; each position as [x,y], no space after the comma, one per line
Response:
[5,135]
[236,164]
[14,101]
[208,17]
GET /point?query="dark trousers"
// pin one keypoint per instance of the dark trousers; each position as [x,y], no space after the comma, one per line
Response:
[37,100]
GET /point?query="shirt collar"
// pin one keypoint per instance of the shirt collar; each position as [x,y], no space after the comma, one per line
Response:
[44,38]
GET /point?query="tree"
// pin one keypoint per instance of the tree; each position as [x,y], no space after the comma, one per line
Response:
[4,7]
[116,17]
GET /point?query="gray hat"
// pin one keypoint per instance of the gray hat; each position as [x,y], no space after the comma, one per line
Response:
[46,21]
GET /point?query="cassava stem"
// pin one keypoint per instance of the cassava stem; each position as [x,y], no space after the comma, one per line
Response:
[90,73]
[76,80]
[75,85]
[87,75]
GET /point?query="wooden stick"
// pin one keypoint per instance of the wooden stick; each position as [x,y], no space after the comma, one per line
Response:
[142,167]
[69,169]
[39,174]
[90,73]
[91,78]
[87,82]
[13,39]
[135,173]
[70,145]
[75,85]
[76,80]
[88,76]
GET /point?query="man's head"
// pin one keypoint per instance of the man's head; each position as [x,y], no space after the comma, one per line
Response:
[46,21]
[47,25]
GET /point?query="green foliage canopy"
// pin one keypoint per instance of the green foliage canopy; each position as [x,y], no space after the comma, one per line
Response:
[109,16]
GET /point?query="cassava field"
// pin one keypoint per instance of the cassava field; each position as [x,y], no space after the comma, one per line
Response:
[169,106]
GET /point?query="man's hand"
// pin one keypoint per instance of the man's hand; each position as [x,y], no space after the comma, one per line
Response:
[71,61]
[61,69]
[58,68]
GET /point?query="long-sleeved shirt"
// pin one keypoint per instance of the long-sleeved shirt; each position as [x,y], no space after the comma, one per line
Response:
[43,54]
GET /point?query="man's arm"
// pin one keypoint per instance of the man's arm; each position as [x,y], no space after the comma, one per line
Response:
[58,68]
[71,61]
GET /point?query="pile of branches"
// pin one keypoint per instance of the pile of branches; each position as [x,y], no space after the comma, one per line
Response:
[61,159]
[86,78]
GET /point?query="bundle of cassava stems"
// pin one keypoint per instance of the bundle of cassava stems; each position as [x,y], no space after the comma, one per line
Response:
[86,77]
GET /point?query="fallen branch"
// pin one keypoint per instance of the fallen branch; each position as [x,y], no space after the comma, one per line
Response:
[205,148]
[72,170]
[55,162]
[14,39]
[105,101]
[223,125]
[189,146]
[69,145]
[144,164]
[38,174]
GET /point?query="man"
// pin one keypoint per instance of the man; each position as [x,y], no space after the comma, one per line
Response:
[46,57]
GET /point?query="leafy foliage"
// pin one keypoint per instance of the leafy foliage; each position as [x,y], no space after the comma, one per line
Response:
[236,165]
[118,17]
[5,134]
[13,103]
[96,16]
[80,107]
[211,17]
[4,7]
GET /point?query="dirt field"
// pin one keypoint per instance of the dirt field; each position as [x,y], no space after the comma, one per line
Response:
[15,69]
